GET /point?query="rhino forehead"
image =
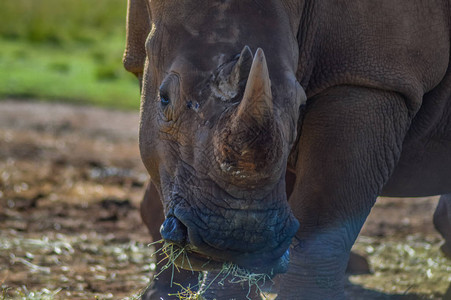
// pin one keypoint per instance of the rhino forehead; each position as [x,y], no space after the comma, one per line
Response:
[214,25]
[214,33]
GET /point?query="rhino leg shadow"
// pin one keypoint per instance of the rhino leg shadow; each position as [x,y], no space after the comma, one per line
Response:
[357,264]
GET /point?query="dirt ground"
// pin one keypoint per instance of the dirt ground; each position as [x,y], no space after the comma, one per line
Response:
[70,185]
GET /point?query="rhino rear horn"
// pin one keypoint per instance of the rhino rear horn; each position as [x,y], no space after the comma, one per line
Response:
[257,103]
[241,69]
[232,78]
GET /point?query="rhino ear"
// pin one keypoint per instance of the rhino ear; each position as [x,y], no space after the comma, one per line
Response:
[138,28]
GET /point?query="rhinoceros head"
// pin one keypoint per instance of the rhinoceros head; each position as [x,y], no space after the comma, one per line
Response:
[219,110]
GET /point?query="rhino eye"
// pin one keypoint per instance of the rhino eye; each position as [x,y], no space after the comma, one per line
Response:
[164,100]
[169,95]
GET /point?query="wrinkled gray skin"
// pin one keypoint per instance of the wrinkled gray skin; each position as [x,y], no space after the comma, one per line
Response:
[357,104]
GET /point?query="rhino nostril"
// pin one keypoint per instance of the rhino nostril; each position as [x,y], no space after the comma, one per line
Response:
[174,231]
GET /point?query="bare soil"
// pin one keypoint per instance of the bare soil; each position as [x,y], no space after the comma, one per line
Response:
[70,185]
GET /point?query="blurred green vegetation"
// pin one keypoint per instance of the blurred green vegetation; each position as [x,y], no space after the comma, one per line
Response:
[65,50]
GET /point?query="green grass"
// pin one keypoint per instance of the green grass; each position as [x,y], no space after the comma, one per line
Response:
[65,50]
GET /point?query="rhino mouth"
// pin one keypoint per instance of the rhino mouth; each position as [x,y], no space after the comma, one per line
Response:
[192,260]
[196,261]
[193,250]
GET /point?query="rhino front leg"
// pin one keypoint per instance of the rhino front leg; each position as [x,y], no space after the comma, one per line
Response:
[442,222]
[350,143]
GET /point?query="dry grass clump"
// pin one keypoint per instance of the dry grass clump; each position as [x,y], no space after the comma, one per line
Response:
[230,273]
[186,293]
[238,275]
[171,254]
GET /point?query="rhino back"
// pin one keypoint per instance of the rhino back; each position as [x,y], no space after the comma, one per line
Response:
[402,46]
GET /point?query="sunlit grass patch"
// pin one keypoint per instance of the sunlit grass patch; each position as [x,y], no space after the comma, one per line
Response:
[24,294]
[65,267]
[413,265]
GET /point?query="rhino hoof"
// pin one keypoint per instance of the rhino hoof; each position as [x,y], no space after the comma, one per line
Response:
[357,264]
[446,249]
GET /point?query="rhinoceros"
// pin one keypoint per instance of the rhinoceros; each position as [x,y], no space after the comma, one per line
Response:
[270,127]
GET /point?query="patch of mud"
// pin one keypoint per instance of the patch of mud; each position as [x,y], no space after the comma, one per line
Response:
[70,185]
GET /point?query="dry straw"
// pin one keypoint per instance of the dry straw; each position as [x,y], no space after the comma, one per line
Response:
[230,273]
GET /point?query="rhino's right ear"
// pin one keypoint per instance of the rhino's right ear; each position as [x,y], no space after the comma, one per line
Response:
[138,28]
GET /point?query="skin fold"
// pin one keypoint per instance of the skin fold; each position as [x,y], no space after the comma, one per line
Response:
[274,125]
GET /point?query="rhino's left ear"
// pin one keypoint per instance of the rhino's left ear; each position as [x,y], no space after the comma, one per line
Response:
[138,28]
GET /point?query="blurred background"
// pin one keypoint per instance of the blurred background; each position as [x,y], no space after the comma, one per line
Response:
[71,178]
[65,50]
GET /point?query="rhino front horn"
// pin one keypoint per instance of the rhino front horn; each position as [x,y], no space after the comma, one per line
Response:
[249,147]
[257,102]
